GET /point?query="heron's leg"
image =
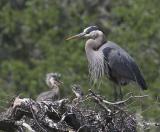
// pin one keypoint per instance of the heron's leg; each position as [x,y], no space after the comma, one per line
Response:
[121,94]
[121,113]
[94,87]
[115,93]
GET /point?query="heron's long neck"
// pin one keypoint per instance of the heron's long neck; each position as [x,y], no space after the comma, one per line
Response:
[55,88]
[95,57]
[92,45]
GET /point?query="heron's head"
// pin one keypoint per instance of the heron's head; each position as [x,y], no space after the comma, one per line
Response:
[76,87]
[53,80]
[77,90]
[91,32]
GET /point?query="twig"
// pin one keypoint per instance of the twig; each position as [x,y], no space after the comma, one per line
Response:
[119,102]
[100,102]
[113,104]
[123,101]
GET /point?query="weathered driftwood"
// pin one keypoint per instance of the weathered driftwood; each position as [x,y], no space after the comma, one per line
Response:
[64,115]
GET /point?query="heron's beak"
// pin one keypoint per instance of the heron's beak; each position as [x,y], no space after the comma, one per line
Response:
[59,82]
[76,36]
[52,81]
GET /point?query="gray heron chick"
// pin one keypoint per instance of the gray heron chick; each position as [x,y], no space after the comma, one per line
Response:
[77,91]
[106,58]
[53,82]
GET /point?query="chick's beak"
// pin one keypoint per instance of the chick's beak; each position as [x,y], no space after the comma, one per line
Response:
[52,81]
[59,82]
[77,36]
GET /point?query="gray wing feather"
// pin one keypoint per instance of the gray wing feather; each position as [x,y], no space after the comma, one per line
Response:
[48,96]
[118,60]
[122,65]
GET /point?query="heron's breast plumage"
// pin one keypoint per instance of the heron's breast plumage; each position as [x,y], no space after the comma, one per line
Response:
[95,60]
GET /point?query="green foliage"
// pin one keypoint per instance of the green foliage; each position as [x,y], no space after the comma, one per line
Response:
[32,40]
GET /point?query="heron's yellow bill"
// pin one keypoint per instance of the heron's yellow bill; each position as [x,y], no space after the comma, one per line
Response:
[72,37]
[76,36]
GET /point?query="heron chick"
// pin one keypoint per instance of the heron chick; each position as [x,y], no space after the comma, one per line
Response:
[53,82]
[106,58]
[77,91]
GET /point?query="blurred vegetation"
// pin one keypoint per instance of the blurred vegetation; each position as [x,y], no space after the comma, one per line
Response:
[32,43]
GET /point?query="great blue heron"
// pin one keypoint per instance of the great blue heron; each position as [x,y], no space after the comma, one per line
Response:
[107,58]
[53,82]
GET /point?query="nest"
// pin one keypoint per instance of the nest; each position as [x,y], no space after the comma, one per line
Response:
[66,115]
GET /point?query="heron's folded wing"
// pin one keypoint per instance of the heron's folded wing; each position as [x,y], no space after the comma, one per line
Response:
[122,65]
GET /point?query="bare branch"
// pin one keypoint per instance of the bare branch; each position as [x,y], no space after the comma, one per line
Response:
[119,102]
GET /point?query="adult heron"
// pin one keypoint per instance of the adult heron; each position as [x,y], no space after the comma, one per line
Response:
[53,82]
[107,58]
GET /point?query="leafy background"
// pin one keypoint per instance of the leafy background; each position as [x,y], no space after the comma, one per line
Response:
[32,43]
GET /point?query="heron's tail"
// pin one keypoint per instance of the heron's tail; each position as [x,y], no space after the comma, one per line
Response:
[139,77]
[141,82]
